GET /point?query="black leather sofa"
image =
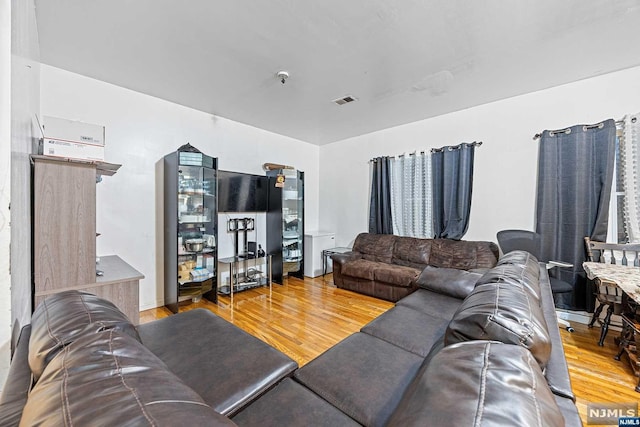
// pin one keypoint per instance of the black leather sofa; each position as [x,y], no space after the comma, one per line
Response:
[494,358]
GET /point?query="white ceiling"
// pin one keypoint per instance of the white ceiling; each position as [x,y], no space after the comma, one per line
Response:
[405,60]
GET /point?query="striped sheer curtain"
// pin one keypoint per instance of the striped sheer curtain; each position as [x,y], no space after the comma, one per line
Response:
[411,195]
[630,164]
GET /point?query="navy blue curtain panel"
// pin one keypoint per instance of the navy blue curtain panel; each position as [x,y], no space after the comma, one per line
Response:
[575,173]
[452,183]
[380,205]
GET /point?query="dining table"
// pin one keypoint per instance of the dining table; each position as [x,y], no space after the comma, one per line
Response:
[627,278]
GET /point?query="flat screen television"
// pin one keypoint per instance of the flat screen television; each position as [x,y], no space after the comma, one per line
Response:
[242,192]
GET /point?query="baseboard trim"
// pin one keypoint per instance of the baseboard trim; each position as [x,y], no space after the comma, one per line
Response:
[574,316]
[148,306]
[584,318]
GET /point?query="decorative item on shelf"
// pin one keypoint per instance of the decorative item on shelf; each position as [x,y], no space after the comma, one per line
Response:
[194,245]
[200,273]
[275,166]
[210,240]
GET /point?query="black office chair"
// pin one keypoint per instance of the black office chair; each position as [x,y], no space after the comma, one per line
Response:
[524,240]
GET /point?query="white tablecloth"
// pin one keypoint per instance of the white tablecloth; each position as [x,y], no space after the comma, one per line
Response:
[627,278]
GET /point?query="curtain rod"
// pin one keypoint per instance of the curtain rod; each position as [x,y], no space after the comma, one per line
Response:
[565,130]
[436,150]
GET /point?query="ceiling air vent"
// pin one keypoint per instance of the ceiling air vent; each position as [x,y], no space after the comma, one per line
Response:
[345,100]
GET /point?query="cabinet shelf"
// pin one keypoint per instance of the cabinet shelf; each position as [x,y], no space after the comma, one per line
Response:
[195,193]
[243,286]
[204,251]
[194,282]
[194,219]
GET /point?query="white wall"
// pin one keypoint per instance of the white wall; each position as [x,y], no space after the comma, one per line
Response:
[5,183]
[505,166]
[20,100]
[140,130]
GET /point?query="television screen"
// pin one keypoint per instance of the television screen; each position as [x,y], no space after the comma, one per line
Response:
[242,192]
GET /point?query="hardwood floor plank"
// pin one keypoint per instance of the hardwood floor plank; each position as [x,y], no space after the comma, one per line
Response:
[595,376]
[304,318]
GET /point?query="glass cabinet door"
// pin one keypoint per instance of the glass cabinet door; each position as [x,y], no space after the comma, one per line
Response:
[292,221]
[197,229]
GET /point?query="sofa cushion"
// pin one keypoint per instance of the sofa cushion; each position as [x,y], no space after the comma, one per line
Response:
[292,404]
[502,312]
[225,365]
[431,303]
[363,376]
[360,268]
[463,255]
[375,247]
[66,316]
[408,329]
[479,383]
[448,281]
[395,274]
[108,378]
[411,252]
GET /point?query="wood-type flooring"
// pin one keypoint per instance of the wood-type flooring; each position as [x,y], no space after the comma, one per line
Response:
[303,318]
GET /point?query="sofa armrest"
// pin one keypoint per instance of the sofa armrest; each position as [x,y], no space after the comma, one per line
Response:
[16,389]
[338,261]
[343,258]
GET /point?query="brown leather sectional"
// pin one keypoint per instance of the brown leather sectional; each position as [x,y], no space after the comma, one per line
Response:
[390,267]
[474,350]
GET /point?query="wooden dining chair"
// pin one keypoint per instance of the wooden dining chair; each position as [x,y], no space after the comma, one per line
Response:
[607,293]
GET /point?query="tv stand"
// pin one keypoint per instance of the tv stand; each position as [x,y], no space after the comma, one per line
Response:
[245,275]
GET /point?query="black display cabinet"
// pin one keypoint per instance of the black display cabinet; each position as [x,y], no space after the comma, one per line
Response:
[285,223]
[190,226]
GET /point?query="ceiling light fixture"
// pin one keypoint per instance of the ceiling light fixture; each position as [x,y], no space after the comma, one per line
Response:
[282,76]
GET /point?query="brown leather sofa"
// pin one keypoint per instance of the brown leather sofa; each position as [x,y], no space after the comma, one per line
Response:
[488,355]
[391,267]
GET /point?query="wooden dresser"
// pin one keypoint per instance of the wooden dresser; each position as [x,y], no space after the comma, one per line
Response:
[64,235]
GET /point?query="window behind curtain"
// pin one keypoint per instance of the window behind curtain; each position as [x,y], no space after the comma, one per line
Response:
[411,195]
[615,231]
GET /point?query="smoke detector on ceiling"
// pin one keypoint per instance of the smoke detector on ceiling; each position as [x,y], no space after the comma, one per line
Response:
[345,100]
[282,76]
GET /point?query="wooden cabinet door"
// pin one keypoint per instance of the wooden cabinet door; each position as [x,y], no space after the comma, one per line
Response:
[64,224]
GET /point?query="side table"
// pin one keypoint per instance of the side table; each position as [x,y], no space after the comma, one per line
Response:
[327,253]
